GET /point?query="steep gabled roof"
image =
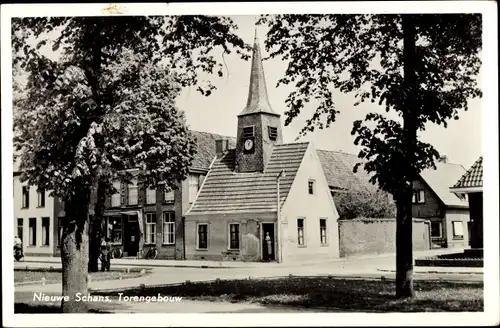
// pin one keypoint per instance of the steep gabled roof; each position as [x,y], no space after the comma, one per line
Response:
[441,179]
[338,167]
[473,178]
[205,148]
[225,191]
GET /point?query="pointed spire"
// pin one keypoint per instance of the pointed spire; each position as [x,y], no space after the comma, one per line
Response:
[257,92]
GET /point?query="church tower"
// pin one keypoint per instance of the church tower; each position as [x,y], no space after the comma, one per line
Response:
[259,127]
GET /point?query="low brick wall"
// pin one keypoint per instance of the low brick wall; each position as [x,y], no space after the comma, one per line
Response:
[378,236]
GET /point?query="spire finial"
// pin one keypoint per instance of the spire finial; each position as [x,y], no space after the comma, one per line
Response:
[257,93]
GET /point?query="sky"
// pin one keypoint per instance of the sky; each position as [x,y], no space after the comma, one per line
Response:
[460,141]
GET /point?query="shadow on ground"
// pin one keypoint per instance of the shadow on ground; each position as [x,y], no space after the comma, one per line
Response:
[342,295]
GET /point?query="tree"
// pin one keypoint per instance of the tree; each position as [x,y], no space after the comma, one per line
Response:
[357,202]
[422,67]
[107,105]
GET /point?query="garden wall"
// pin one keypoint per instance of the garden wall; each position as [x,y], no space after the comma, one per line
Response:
[377,236]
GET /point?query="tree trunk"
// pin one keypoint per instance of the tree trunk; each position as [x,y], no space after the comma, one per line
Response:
[96,228]
[75,252]
[404,219]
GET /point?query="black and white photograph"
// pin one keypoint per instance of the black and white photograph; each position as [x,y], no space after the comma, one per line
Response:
[293,159]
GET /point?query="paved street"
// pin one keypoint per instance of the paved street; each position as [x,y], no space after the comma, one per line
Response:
[367,267]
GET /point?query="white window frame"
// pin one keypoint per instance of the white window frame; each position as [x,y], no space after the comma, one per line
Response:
[440,229]
[192,196]
[46,231]
[25,196]
[421,196]
[303,232]
[150,229]
[116,198]
[326,232]
[150,196]
[168,196]
[32,232]
[168,227]
[21,226]
[454,231]
[229,236]
[198,236]
[133,187]
[41,198]
[313,186]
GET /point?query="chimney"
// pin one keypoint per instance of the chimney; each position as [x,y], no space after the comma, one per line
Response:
[221,146]
[443,159]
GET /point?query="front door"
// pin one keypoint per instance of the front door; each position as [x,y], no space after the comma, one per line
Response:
[268,242]
[131,235]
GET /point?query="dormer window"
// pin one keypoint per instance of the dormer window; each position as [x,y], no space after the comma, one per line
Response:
[248,131]
[273,132]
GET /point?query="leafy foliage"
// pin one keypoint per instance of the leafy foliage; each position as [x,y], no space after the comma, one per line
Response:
[108,103]
[363,54]
[364,202]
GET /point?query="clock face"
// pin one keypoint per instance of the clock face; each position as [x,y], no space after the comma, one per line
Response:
[248,144]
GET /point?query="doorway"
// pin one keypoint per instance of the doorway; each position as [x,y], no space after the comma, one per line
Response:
[131,235]
[268,241]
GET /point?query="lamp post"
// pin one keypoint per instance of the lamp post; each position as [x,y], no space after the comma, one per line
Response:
[282,174]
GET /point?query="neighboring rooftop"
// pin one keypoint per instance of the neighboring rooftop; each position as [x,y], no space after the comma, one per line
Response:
[225,191]
[338,167]
[441,179]
[473,178]
[205,145]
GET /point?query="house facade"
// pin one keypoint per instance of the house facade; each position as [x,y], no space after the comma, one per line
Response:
[34,215]
[447,212]
[471,184]
[263,200]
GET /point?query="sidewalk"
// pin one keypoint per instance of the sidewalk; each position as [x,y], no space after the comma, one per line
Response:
[236,264]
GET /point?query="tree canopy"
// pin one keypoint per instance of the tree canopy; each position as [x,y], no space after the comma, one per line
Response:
[363,55]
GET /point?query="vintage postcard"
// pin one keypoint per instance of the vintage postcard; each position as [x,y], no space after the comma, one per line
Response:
[305,164]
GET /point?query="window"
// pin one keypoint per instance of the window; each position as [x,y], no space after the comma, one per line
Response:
[436,230]
[41,198]
[150,196]
[310,187]
[168,228]
[150,228]
[20,223]
[300,232]
[248,131]
[116,197]
[168,196]
[60,230]
[194,184]
[132,193]
[26,197]
[202,236]
[418,196]
[46,231]
[114,230]
[234,236]
[322,231]
[273,132]
[458,229]
[32,232]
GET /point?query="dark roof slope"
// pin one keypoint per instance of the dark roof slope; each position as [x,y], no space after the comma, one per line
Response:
[205,148]
[473,178]
[441,179]
[338,167]
[225,191]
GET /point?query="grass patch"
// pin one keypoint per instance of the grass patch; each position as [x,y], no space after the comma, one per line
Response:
[37,308]
[54,276]
[329,293]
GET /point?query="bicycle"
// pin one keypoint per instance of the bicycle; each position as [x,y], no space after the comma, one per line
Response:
[117,252]
[152,252]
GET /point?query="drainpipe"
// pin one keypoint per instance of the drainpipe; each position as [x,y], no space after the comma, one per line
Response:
[282,174]
[184,237]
